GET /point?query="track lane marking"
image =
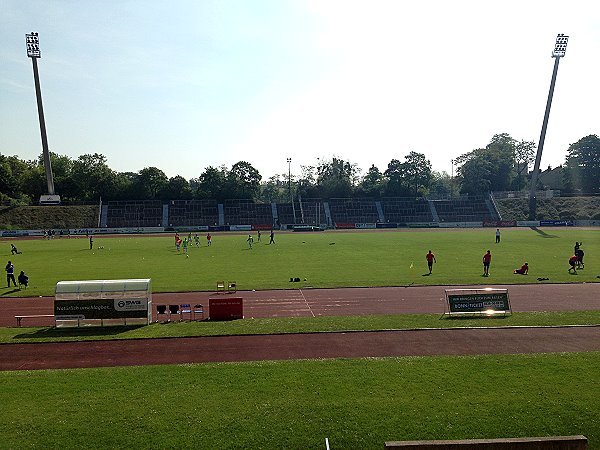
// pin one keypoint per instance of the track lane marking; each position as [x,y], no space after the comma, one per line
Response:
[305,301]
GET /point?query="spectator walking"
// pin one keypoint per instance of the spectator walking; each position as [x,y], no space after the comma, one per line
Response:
[487,259]
[430,257]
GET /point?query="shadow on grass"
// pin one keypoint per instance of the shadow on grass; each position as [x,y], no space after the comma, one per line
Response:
[542,233]
[53,332]
[10,292]
[476,317]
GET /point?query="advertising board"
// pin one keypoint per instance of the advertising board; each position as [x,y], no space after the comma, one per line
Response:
[225,308]
[101,309]
[477,301]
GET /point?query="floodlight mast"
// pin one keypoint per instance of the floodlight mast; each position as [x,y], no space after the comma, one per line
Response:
[33,52]
[560,49]
[289,161]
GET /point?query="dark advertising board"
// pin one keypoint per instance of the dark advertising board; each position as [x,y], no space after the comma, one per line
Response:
[499,223]
[478,302]
[101,309]
[556,223]
[225,308]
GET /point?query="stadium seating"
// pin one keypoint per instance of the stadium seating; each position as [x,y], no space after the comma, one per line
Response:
[353,210]
[304,211]
[147,213]
[193,212]
[406,210]
[463,210]
[247,212]
[307,211]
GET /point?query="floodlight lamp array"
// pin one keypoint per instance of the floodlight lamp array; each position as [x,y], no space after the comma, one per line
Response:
[560,48]
[33,45]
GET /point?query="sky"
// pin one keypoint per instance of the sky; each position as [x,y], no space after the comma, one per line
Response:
[195,83]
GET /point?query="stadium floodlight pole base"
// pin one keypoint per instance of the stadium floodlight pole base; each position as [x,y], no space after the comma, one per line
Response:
[49,199]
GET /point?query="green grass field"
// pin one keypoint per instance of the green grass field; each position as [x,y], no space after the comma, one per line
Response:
[327,259]
[357,404]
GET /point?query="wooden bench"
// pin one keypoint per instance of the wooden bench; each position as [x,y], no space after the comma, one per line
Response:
[33,316]
[529,443]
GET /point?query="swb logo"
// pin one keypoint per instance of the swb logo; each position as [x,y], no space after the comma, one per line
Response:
[131,305]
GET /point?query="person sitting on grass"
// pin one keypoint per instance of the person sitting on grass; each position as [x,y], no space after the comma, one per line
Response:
[13,250]
[523,270]
[23,279]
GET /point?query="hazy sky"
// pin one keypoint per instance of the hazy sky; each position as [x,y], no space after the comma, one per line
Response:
[189,84]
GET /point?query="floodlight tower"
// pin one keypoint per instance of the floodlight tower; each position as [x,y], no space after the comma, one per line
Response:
[560,48]
[33,52]
[289,161]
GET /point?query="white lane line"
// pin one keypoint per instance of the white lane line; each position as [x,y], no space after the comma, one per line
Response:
[307,305]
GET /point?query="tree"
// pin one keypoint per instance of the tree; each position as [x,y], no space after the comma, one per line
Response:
[373,183]
[475,175]
[177,188]
[495,163]
[336,178]
[93,177]
[583,164]
[442,185]
[151,181]
[243,181]
[395,185]
[12,170]
[274,190]
[62,172]
[211,184]
[524,155]
[416,171]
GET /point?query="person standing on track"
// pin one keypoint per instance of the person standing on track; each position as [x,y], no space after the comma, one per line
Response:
[487,259]
[430,257]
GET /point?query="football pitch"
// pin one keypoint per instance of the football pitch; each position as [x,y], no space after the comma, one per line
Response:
[355,403]
[318,259]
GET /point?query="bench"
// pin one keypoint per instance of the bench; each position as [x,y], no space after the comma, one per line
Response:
[33,316]
[529,443]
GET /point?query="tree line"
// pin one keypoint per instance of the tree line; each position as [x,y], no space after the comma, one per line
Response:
[500,166]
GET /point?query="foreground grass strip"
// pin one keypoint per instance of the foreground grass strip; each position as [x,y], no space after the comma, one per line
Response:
[296,325]
[296,404]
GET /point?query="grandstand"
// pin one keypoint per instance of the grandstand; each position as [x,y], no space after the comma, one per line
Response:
[353,210]
[143,213]
[247,212]
[336,212]
[465,210]
[304,211]
[193,212]
[406,210]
